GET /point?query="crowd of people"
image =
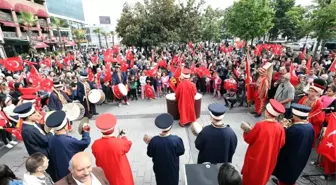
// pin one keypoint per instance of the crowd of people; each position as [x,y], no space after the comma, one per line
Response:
[295,93]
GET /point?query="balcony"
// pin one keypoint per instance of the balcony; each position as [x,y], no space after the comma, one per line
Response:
[11,35]
[5,16]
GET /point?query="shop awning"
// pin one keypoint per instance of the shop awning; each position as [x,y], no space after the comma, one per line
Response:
[70,43]
[41,13]
[31,28]
[19,7]
[5,4]
[40,45]
[8,23]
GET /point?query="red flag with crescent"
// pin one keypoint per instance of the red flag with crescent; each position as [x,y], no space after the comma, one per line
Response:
[108,56]
[130,57]
[47,85]
[13,64]
[34,77]
[108,73]
[16,132]
[90,75]
[152,72]
[327,146]
[94,59]
[149,92]
[47,62]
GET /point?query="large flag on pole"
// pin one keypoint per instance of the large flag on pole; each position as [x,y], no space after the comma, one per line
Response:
[327,146]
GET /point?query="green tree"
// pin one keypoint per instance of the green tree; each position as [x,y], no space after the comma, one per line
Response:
[248,19]
[323,22]
[280,20]
[58,24]
[79,35]
[299,22]
[98,31]
[28,20]
[211,24]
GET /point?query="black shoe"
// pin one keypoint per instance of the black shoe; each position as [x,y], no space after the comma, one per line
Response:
[257,115]
[89,116]
[253,112]
[96,114]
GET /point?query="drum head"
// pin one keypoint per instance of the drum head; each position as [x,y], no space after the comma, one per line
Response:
[171,96]
[198,96]
[94,96]
[122,88]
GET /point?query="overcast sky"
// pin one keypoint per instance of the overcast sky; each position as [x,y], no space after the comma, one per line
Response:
[95,8]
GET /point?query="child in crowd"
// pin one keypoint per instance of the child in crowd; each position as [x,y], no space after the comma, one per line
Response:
[165,80]
[133,84]
[143,82]
[230,97]
[8,177]
[217,86]
[36,174]
[208,85]
[158,82]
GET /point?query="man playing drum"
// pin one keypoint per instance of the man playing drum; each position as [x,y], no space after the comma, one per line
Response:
[216,142]
[57,97]
[83,89]
[185,96]
[117,78]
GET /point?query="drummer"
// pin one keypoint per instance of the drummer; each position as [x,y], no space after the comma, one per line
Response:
[82,93]
[62,146]
[185,97]
[117,78]
[58,97]
[217,142]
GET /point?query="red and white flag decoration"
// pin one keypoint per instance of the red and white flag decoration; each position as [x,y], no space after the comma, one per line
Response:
[13,64]
[327,146]
[308,65]
[333,66]
[303,54]
[293,77]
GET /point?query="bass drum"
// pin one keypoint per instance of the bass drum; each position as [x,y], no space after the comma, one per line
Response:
[74,111]
[198,104]
[96,96]
[172,107]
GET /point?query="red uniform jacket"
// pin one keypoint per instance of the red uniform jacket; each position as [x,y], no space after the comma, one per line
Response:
[316,115]
[265,141]
[110,154]
[185,97]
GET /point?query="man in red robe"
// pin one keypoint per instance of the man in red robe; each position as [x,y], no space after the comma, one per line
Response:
[265,140]
[185,97]
[316,115]
[110,152]
[261,88]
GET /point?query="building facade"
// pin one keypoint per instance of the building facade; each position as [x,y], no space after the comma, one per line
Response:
[14,36]
[72,12]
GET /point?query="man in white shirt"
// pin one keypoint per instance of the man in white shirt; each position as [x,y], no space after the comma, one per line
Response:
[82,172]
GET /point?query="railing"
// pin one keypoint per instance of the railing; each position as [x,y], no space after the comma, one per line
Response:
[8,34]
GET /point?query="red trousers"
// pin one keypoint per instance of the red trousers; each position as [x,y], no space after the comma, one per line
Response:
[259,104]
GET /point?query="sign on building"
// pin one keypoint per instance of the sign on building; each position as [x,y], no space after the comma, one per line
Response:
[104,20]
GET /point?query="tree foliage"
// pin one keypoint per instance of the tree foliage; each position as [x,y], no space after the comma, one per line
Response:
[248,19]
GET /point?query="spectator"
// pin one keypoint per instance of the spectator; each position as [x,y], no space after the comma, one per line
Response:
[230,98]
[228,175]
[36,174]
[82,172]
[7,177]
[285,94]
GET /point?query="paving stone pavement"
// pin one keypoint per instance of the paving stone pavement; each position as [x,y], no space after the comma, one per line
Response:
[138,120]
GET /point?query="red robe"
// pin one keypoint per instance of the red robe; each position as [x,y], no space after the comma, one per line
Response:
[185,97]
[110,154]
[316,115]
[265,141]
[260,93]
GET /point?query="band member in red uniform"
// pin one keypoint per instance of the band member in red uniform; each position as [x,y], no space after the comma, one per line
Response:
[265,140]
[262,85]
[185,97]
[111,151]
[316,115]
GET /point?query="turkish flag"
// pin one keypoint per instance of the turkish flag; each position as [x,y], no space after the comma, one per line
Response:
[98,78]
[47,85]
[108,73]
[149,93]
[258,50]
[303,54]
[94,59]
[34,77]
[3,119]
[327,146]
[13,64]
[29,63]
[46,62]
[152,72]
[16,132]
[123,66]
[67,59]
[108,56]
[90,75]
[230,84]
[333,66]
[162,63]
[294,80]
[115,49]
[308,65]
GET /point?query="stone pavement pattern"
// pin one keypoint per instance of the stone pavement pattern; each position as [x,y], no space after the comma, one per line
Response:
[138,120]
